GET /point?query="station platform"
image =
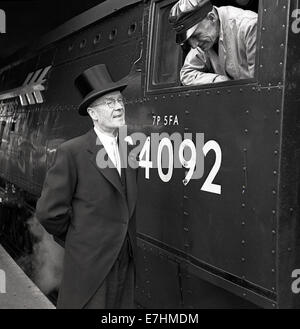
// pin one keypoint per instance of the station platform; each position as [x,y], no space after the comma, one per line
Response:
[17,291]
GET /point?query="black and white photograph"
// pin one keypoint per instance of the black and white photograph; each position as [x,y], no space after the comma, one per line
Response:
[149,157]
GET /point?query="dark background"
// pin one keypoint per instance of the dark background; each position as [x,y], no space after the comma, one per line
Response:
[27,20]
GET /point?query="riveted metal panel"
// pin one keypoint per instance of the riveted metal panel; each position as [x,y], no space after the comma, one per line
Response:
[158,282]
[111,32]
[199,293]
[289,212]
[273,38]
[159,207]
[258,241]
[239,222]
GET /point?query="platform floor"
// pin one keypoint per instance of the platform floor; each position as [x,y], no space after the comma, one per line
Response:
[17,291]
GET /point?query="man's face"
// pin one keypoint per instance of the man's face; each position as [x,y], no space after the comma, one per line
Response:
[108,111]
[206,33]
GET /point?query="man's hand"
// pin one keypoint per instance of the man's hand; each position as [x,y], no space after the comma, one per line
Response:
[221,78]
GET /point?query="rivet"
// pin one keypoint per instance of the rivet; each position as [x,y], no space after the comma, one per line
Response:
[280,63]
[262,47]
[243,223]
[185,213]
[245,150]
[273,288]
[274,305]
[275,172]
[274,192]
[244,168]
[241,90]
[282,45]
[291,209]
[283,25]
[207,93]
[246,131]
[263,28]
[185,197]
[273,252]
[243,277]
[276,152]
[273,270]
[218,92]
[244,294]
[277,111]
[187,112]
[243,241]
[273,232]
[186,245]
[172,96]
[243,205]
[289,249]
[186,129]
[247,111]
[229,91]
[243,259]
[186,229]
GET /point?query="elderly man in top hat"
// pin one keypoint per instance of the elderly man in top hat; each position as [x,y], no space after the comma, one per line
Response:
[223,41]
[89,206]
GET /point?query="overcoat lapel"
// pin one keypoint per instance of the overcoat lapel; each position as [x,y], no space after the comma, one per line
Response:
[110,172]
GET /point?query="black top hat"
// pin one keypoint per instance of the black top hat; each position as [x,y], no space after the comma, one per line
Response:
[93,83]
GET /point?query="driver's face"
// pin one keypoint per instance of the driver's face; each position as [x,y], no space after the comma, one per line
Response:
[205,35]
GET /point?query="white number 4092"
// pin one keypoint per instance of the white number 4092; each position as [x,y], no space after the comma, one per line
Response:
[166,145]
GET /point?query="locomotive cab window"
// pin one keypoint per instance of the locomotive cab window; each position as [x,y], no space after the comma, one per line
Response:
[222,47]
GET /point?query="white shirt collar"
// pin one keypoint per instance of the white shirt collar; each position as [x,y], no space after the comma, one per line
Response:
[104,138]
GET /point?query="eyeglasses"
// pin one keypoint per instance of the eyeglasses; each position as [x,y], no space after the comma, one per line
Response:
[112,102]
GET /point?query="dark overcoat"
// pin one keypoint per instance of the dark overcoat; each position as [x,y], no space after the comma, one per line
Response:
[86,209]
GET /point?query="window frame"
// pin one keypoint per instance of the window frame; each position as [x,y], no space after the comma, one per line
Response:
[153,32]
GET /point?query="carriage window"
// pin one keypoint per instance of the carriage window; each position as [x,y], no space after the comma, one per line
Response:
[166,55]
[167,58]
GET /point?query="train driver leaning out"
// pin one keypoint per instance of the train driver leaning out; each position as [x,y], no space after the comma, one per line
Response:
[223,41]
